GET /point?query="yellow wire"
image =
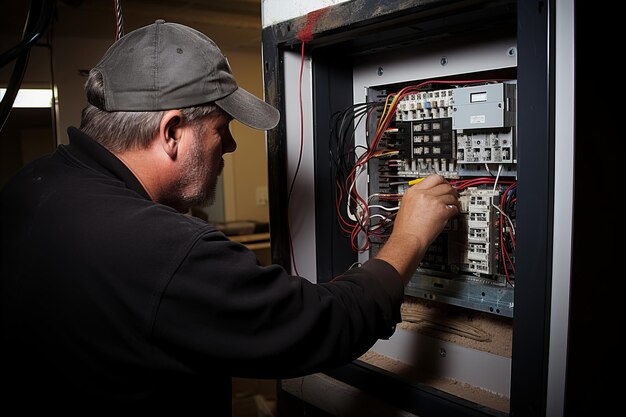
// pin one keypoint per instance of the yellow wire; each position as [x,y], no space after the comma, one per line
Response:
[383,114]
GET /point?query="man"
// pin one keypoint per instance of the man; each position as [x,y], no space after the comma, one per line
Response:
[112,299]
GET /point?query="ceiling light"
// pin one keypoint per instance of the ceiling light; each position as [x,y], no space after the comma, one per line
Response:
[31,97]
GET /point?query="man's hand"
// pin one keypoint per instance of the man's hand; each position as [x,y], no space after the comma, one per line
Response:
[424,211]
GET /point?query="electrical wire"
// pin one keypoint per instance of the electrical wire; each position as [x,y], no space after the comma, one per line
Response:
[506,200]
[342,153]
[53,107]
[119,19]
[504,251]
[505,257]
[349,162]
[39,16]
[384,207]
[495,183]
[356,220]
[295,175]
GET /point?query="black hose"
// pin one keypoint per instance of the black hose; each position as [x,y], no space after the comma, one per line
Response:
[39,16]
[14,86]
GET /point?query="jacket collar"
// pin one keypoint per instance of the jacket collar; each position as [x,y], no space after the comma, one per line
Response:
[91,153]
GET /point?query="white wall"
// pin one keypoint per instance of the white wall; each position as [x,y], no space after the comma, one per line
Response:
[275,11]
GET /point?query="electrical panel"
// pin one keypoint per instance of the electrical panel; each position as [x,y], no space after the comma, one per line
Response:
[465,132]
[398,92]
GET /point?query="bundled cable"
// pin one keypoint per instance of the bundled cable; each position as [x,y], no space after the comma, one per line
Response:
[39,17]
[119,19]
[350,162]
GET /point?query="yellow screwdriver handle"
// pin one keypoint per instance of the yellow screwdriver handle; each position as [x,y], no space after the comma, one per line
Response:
[415,181]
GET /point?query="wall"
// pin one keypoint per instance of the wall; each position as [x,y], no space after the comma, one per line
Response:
[244,171]
[275,11]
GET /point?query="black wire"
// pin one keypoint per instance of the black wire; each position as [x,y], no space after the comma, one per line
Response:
[53,86]
[14,86]
[341,166]
[345,140]
[342,148]
[343,132]
[39,16]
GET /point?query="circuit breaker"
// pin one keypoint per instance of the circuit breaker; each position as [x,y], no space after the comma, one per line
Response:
[465,132]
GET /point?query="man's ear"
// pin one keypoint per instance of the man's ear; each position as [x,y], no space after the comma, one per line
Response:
[170,131]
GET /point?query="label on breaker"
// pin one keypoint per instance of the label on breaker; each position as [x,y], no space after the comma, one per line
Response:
[477,119]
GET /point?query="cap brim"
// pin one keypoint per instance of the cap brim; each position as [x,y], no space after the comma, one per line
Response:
[249,110]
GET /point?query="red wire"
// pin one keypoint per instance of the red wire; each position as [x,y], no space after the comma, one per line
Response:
[116,16]
[503,249]
[365,157]
[463,184]
[502,203]
[119,19]
[343,224]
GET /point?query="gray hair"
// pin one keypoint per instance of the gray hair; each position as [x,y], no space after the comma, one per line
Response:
[122,131]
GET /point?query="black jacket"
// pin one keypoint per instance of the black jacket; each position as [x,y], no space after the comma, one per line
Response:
[112,300]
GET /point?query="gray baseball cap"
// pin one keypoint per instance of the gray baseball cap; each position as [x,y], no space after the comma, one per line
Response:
[166,66]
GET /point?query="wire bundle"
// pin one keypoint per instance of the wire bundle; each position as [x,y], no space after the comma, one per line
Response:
[342,153]
[119,19]
[506,228]
[350,161]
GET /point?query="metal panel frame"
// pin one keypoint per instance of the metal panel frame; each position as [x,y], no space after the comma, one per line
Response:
[535,99]
[361,27]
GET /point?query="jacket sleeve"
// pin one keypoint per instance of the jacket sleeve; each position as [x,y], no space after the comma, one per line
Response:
[223,312]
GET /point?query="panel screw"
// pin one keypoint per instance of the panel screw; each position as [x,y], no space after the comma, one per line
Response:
[512,51]
[442,352]
[444,61]
[380,71]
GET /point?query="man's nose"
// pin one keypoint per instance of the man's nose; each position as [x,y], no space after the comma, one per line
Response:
[228,143]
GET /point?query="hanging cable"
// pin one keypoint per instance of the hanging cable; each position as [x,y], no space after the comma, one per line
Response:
[39,16]
[119,19]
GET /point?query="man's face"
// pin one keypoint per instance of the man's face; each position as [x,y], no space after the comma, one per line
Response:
[202,162]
